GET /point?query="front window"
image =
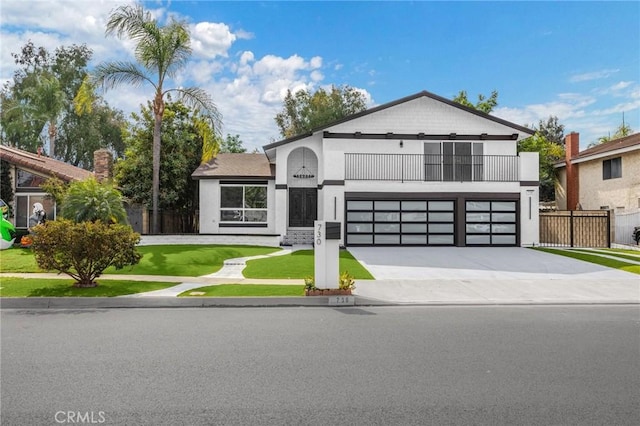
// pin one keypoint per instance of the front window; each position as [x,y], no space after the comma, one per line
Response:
[29,180]
[24,208]
[612,169]
[243,203]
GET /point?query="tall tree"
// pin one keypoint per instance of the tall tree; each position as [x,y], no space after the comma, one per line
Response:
[483,104]
[551,129]
[44,82]
[303,111]
[45,102]
[232,144]
[161,51]
[181,153]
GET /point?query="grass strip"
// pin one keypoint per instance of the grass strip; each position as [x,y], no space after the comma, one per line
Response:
[608,253]
[246,290]
[300,264]
[610,263]
[55,287]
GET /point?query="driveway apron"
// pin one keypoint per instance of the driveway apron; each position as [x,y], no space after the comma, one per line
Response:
[489,274]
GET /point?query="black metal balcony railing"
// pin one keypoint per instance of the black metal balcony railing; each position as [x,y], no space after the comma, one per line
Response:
[429,167]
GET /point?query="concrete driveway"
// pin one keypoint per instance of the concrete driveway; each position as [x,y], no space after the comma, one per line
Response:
[489,275]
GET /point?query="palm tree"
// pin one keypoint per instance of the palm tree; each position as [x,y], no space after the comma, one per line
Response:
[92,201]
[44,102]
[161,51]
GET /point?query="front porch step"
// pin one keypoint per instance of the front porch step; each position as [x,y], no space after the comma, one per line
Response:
[298,236]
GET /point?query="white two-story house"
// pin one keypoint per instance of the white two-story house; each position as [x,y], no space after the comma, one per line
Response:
[419,171]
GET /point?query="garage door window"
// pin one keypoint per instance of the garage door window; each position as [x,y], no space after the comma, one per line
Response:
[491,223]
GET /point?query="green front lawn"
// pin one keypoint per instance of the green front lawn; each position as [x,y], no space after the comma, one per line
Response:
[178,260]
[300,264]
[246,290]
[187,260]
[18,260]
[32,287]
[594,258]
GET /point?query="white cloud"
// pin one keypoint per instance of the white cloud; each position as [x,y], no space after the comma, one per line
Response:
[247,90]
[209,39]
[595,75]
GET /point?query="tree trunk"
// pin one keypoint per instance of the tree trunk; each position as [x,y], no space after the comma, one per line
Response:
[52,139]
[158,110]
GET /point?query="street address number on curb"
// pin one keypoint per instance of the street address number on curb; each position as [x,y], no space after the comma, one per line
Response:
[342,301]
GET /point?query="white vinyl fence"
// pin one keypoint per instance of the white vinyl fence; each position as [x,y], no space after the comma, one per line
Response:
[625,222]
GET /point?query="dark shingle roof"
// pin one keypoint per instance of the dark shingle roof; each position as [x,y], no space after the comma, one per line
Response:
[42,164]
[236,165]
[613,145]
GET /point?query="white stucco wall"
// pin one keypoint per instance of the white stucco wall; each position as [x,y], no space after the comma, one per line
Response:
[210,211]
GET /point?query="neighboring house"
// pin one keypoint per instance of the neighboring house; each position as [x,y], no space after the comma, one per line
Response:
[420,171]
[606,176]
[28,171]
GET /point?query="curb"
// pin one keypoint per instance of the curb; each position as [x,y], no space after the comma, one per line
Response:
[181,302]
[268,302]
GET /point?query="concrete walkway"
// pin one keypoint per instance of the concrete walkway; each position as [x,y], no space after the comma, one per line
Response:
[230,273]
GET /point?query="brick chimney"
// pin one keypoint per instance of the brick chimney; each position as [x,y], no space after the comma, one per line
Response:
[102,164]
[572,147]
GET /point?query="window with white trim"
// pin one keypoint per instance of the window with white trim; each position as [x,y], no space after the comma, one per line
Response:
[243,204]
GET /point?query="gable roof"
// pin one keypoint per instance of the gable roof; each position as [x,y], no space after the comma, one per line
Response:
[236,165]
[46,165]
[418,95]
[631,141]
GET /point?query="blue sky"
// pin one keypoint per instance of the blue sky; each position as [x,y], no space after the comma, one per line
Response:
[579,61]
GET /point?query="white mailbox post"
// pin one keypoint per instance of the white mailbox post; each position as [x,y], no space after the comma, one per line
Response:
[326,236]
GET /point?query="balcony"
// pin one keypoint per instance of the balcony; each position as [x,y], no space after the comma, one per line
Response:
[431,167]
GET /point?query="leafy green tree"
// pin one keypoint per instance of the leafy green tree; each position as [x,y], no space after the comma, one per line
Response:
[303,111]
[551,129]
[92,201]
[41,96]
[45,102]
[91,236]
[232,144]
[84,250]
[161,51]
[181,154]
[549,153]
[483,104]
[6,185]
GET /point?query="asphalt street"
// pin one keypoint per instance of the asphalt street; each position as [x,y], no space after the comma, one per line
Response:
[372,366]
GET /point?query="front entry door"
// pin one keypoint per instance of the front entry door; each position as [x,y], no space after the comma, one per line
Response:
[303,207]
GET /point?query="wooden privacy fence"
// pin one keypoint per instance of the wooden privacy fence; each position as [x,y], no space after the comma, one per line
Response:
[579,228]
[171,221]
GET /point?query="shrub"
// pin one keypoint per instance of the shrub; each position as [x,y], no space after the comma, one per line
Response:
[90,201]
[309,283]
[84,250]
[346,281]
